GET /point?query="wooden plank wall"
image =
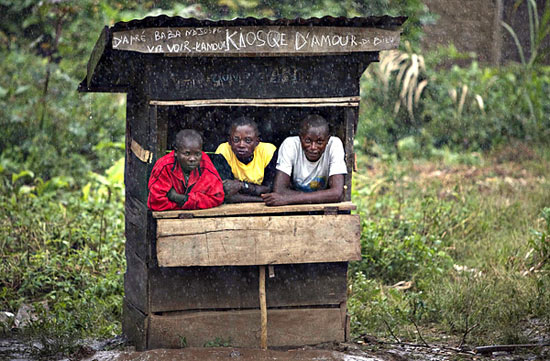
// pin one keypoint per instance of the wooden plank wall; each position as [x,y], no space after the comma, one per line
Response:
[241,328]
[259,240]
[267,77]
[204,288]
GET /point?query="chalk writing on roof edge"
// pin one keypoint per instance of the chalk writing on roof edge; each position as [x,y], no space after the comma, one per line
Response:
[255,40]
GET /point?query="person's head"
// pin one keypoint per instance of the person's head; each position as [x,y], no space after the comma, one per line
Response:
[244,137]
[188,148]
[314,136]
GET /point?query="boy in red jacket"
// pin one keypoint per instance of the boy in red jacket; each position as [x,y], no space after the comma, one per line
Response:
[185,178]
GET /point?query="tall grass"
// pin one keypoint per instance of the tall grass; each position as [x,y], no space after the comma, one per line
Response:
[453,249]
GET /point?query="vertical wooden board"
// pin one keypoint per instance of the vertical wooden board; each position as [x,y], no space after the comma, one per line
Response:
[196,288]
[286,327]
[350,120]
[160,128]
[345,319]
[135,281]
[134,325]
[136,177]
[136,226]
[137,171]
[258,240]
[151,241]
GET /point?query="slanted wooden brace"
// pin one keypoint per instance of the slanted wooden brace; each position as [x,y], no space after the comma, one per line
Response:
[247,275]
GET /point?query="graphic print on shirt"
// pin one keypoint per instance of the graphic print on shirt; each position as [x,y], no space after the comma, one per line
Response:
[316,184]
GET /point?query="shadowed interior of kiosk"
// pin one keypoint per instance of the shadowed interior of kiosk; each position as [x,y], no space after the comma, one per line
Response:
[274,123]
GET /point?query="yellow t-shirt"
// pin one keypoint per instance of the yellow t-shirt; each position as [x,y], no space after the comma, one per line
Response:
[252,172]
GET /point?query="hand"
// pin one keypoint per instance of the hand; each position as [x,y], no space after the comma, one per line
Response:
[176,197]
[274,199]
[231,187]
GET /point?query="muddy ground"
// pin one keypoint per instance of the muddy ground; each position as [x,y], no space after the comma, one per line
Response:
[370,350]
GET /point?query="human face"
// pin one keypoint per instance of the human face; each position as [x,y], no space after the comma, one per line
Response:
[189,154]
[243,140]
[314,141]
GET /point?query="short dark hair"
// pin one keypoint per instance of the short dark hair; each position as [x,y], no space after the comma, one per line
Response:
[313,121]
[244,120]
[187,135]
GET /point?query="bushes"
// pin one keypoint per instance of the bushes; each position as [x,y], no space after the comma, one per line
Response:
[473,108]
[65,247]
[453,250]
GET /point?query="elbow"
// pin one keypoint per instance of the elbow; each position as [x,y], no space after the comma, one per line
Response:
[276,188]
[338,195]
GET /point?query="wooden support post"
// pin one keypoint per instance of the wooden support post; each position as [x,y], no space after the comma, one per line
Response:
[263,309]
[159,131]
[350,121]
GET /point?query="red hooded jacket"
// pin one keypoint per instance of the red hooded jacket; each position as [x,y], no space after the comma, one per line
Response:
[204,189]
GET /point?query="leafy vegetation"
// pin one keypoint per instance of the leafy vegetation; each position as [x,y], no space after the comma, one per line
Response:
[447,247]
[461,108]
[66,247]
[438,250]
[465,108]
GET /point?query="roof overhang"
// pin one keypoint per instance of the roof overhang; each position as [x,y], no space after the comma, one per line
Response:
[122,48]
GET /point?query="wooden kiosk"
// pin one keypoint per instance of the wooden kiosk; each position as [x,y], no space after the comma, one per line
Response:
[195,278]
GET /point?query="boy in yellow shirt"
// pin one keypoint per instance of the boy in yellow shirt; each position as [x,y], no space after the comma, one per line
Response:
[252,162]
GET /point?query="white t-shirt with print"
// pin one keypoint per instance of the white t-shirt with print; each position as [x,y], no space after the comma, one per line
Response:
[311,176]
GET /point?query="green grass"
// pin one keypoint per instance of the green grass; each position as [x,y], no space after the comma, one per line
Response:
[471,240]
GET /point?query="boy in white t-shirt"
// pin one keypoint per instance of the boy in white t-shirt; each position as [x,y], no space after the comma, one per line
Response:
[310,167]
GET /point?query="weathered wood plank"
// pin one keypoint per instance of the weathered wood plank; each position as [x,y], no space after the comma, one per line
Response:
[286,327]
[136,281]
[255,40]
[350,120]
[263,310]
[136,226]
[307,284]
[244,241]
[244,78]
[250,101]
[285,105]
[134,325]
[254,208]
[195,288]
[200,288]
[136,172]
[345,319]
[161,133]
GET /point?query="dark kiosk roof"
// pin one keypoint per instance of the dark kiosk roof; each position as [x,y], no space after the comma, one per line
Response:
[109,69]
[382,22]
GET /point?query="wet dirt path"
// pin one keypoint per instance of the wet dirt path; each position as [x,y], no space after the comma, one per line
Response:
[234,354]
